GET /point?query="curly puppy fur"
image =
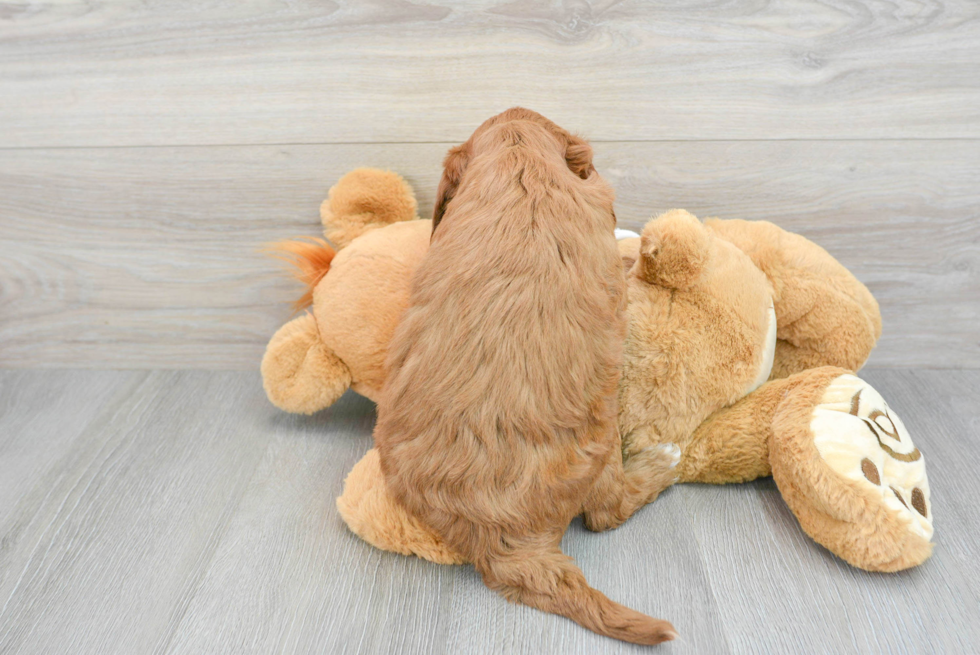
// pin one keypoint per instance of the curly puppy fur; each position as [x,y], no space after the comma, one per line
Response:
[497,422]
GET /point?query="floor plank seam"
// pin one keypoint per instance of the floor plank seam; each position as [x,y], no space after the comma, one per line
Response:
[704,563]
[214,543]
[111,411]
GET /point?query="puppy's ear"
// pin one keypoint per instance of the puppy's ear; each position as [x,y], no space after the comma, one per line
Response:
[674,250]
[452,172]
[578,155]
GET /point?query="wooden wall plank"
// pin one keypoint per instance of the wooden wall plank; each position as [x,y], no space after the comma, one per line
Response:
[148,257]
[107,72]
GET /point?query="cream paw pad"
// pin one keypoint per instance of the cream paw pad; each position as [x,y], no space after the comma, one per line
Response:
[858,483]
[860,438]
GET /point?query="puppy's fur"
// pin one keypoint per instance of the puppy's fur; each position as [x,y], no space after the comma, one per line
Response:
[497,421]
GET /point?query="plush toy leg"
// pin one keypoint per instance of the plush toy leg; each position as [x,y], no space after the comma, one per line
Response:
[373,515]
[848,469]
[299,372]
[842,460]
[732,445]
[833,331]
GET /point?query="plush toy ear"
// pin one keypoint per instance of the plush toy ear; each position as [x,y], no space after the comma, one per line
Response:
[452,172]
[673,250]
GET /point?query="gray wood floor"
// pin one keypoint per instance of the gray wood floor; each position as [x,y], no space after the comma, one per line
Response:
[178,512]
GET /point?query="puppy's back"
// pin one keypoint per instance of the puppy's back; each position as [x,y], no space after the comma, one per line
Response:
[516,310]
[498,413]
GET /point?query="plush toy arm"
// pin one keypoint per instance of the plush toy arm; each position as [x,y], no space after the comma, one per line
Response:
[299,372]
[824,315]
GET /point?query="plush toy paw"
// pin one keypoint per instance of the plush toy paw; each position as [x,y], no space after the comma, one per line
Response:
[881,456]
[373,515]
[848,469]
[673,451]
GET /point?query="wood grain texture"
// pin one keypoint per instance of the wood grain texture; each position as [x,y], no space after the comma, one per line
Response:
[948,415]
[148,257]
[104,547]
[179,513]
[301,582]
[785,585]
[148,150]
[34,432]
[107,72]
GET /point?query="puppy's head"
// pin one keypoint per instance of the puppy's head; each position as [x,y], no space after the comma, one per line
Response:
[577,153]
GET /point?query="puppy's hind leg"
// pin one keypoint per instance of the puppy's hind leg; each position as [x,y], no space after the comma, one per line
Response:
[622,489]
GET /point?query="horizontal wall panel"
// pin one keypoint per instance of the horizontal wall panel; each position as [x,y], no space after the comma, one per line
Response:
[149,257]
[97,72]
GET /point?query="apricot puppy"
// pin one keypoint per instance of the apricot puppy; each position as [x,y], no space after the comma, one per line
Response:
[497,420]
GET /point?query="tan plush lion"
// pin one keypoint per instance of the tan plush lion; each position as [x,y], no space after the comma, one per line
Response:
[739,357]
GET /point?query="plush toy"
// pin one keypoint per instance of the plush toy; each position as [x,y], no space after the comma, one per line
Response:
[742,338]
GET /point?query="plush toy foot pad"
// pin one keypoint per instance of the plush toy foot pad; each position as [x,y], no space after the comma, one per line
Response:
[860,438]
[851,474]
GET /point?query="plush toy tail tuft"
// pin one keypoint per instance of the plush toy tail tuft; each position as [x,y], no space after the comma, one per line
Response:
[363,200]
[312,260]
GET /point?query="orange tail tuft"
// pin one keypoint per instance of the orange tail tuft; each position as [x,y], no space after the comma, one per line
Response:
[312,261]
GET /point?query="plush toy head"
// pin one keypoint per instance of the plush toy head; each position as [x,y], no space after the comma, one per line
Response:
[357,294]
[702,328]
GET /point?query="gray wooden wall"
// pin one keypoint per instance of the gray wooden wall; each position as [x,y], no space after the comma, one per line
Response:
[148,150]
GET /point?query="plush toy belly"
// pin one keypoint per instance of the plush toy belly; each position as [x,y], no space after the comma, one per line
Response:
[768,353]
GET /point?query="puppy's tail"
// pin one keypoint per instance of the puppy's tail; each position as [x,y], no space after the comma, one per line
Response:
[543,577]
